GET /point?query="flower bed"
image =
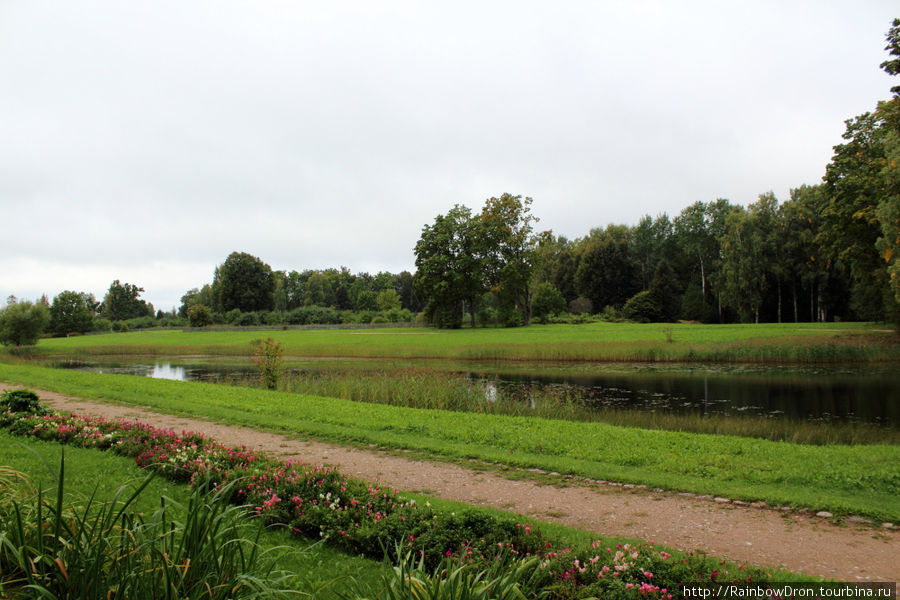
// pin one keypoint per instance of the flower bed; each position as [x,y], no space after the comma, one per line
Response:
[363,518]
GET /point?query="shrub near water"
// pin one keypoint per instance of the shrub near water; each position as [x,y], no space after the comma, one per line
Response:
[367,519]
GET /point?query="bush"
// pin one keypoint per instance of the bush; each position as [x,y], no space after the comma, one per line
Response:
[486,315]
[141,323]
[101,325]
[199,315]
[275,317]
[581,306]
[313,314]
[399,315]
[643,307]
[22,401]
[547,301]
[22,323]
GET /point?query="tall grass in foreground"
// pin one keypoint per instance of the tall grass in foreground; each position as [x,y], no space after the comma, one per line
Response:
[435,389]
[105,550]
[504,579]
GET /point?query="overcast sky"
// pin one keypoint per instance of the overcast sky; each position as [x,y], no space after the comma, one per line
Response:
[145,141]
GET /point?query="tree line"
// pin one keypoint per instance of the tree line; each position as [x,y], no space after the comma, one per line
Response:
[831,251]
[247,291]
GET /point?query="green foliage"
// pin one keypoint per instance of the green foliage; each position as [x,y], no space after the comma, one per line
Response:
[22,323]
[850,227]
[72,312]
[269,359]
[449,266]
[509,252]
[122,301]
[547,301]
[366,300]
[581,306]
[105,549]
[306,315]
[892,65]
[605,273]
[388,300]
[199,315]
[243,282]
[460,257]
[22,400]
[506,578]
[643,307]
[666,291]
[101,324]
[194,296]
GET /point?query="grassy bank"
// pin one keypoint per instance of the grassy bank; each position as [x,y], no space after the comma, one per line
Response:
[843,479]
[802,343]
[436,389]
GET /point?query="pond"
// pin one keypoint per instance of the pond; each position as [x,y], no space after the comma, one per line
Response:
[829,394]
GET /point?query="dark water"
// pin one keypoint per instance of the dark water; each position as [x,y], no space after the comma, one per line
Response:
[858,394]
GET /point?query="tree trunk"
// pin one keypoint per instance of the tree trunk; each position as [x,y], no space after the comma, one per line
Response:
[812,304]
[779,301]
[796,311]
[702,277]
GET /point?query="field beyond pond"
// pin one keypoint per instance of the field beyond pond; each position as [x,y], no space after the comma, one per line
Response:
[805,342]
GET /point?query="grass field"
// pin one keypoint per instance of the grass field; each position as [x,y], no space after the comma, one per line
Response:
[807,342]
[843,479]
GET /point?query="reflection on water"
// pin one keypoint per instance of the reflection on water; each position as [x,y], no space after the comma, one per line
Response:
[167,371]
[816,393]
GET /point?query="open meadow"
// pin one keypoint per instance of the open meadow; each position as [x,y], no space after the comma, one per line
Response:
[805,342]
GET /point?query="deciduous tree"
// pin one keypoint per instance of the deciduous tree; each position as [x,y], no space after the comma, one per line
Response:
[22,322]
[123,301]
[72,312]
[243,282]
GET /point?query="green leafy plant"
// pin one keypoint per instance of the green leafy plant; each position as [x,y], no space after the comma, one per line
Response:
[22,400]
[270,361]
[506,578]
[104,549]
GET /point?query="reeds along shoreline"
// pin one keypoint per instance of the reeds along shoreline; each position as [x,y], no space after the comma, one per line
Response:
[434,389]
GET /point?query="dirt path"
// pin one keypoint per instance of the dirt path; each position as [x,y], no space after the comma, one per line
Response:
[763,537]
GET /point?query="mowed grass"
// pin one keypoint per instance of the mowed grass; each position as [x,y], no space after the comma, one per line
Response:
[843,479]
[807,342]
[320,570]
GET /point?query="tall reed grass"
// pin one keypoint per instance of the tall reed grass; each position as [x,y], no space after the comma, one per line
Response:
[436,389]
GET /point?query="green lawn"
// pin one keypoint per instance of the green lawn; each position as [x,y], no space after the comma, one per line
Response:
[842,479]
[593,341]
